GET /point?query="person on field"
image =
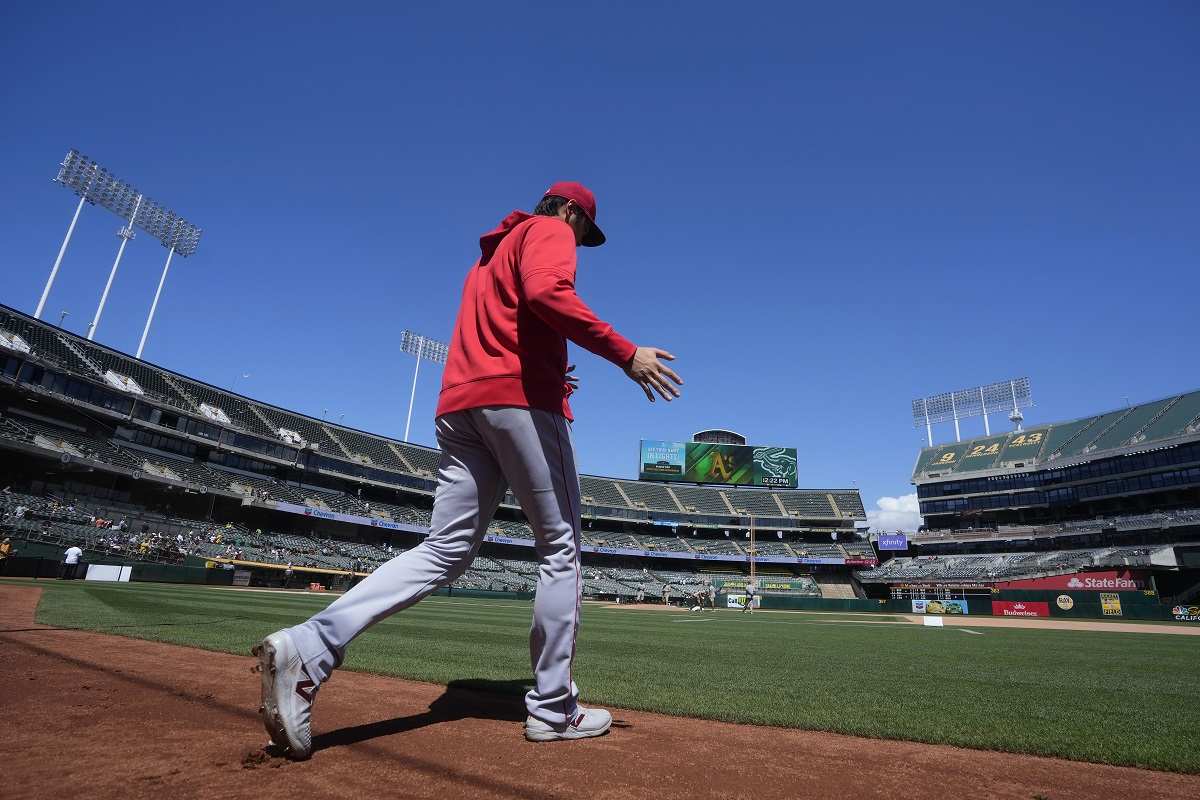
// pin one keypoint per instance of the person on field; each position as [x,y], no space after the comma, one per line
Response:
[503,421]
[70,563]
[751,593]
[712,596]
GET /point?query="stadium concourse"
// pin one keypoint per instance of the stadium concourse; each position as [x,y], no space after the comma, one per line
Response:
[191,474]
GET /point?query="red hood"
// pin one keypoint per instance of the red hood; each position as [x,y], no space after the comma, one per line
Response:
[491,240]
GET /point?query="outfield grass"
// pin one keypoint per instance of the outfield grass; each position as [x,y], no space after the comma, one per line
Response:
[1118,698]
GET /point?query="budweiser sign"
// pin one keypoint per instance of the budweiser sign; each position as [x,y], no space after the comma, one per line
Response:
[1020,608]
[1117,580]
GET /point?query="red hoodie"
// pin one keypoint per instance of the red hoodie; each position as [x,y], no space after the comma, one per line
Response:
[518,309]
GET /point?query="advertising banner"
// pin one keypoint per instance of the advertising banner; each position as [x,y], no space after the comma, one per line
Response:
[951,607]
[1020,608]
[1116,580]
[1186,613]
[1110,604]
[764,584]
[338,516]
[739,601]
[728,464]
[893,541]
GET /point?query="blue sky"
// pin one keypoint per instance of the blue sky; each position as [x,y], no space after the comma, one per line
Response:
[824,210]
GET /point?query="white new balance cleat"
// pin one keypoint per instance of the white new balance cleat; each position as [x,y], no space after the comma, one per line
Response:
[287,695]
[586,723]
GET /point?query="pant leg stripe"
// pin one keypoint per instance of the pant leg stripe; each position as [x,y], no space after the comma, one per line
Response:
[578,571]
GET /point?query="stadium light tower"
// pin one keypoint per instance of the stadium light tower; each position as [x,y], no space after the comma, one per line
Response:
[96,185]
[1011,395]
[423,348]
[753,551]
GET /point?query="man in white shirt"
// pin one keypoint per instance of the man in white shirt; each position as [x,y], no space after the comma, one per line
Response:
[70,563]
[751,592]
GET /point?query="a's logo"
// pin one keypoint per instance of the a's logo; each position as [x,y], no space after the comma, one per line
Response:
[1074,583]
[718,468]
[306,689]
[1065,602]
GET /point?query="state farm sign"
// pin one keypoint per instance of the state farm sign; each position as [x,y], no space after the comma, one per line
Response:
[1117,580]
[1020,608]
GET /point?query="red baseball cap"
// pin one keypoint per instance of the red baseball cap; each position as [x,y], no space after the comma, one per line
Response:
[583,198]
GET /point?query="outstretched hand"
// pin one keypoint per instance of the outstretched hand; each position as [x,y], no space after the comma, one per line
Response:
[647,370]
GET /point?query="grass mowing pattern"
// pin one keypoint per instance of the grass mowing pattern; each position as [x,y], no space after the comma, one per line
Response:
[1117,698]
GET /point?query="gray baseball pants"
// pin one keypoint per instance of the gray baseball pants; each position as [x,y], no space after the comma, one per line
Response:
[484,451]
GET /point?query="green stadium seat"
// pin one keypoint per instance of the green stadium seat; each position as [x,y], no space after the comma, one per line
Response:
[1175,420]
[1077,444]
[1127,426]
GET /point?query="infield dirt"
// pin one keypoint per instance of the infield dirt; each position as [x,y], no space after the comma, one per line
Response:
[104,716]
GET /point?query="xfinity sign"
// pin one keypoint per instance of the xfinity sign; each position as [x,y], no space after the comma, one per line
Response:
[893,541]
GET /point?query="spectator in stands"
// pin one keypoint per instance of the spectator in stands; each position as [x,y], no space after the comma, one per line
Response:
[70,563]
[503,420]
[6,548]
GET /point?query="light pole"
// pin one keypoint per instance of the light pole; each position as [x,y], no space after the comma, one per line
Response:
[423,348]
[126,233]
[98,186]
[752,550]
[62,315]
[235,379]
[70,231]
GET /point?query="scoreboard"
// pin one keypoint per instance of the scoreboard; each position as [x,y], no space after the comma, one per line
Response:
[727,464]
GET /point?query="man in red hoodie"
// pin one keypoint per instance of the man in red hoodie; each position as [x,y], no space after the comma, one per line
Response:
[503,421]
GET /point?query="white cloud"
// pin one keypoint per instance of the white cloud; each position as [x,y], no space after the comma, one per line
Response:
[895,514]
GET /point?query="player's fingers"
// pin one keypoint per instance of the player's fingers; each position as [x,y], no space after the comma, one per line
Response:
[670,373]
[662,384]
[664,390]
[646,389]
[663,354]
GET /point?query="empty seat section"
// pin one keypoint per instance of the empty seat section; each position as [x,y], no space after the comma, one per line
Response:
[809,505]
[1124,428]
[1175,420]
[704,500]
[653,495]
[756,501]
[602,491]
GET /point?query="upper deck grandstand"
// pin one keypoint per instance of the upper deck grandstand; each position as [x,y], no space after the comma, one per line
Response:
[1143,458]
